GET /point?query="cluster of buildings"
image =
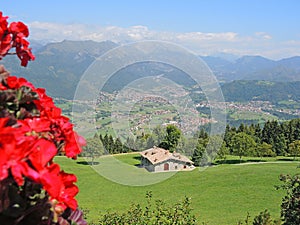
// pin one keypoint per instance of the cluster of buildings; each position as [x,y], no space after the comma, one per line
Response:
[251,106]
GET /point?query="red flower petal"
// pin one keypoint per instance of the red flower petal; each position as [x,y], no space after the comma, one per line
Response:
[43,152]
[19,27]
[50,180]
[35,124]
[18,171]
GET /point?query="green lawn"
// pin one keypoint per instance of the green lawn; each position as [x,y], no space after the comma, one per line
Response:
[247,115]
[220,195]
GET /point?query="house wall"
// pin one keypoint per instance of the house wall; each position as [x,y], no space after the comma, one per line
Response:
[150,168]
[147,164]
[174,165]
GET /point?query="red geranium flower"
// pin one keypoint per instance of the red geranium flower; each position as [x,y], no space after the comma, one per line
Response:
[15,149]
[18,28]
[17,82]
[32,133]
[13,36]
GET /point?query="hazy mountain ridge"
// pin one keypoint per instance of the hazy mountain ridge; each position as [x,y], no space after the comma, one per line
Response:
[59,66]
[255,68]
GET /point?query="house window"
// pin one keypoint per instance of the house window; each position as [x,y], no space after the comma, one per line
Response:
[176,167]
[166,166]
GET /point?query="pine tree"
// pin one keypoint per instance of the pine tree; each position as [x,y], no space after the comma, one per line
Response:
[111,145]
[198,155]
[118,146]
[257,133]
[150,142]
[241,128]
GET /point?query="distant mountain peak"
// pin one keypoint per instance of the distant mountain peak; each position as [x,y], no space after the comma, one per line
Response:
[226,56]
[253,59]
[255,67]
[64,63]
[89,46]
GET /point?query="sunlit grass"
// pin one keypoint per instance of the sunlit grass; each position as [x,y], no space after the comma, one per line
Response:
[220,194]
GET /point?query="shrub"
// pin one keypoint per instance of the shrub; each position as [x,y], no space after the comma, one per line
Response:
[155,212]
[290,206]
[264,218]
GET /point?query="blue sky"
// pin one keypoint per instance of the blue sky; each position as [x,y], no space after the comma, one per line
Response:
[269,28]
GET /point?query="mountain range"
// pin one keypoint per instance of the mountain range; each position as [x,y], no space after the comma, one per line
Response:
[59,66]
[255,68]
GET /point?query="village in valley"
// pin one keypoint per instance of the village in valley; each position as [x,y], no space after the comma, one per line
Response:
[139,124]
[150,111]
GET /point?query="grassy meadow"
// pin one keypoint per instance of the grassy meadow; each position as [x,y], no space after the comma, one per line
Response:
[221,194]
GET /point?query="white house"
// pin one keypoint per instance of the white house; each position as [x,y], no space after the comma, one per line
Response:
[158,159]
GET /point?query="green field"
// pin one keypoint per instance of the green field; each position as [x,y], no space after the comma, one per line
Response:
[220,194]
[247,115]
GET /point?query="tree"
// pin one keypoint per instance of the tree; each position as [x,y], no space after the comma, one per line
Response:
[264,150]
[257,132]
[270,129]
[118,146]
[242,144]
[290,205]
[141,141]
[223,152]
[279,144]
[172,137]
[213,147]
[94,148]
[105,142]
[241,128]
[273,133]
[229,133]
[293,130]
[294,148]
[202,134]
[198,156]
[187,145]
[130,144]
[159,134]
[110,147]
[150,142]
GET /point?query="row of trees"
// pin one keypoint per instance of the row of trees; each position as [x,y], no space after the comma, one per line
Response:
[166,137]
[272,139]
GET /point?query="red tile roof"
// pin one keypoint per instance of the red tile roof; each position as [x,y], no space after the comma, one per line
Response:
[156,155]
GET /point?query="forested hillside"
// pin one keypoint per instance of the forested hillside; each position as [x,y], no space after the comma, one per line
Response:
[253,90]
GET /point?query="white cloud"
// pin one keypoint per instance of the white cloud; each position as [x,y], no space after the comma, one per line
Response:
[260,43]
[263,35]
[199,36]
